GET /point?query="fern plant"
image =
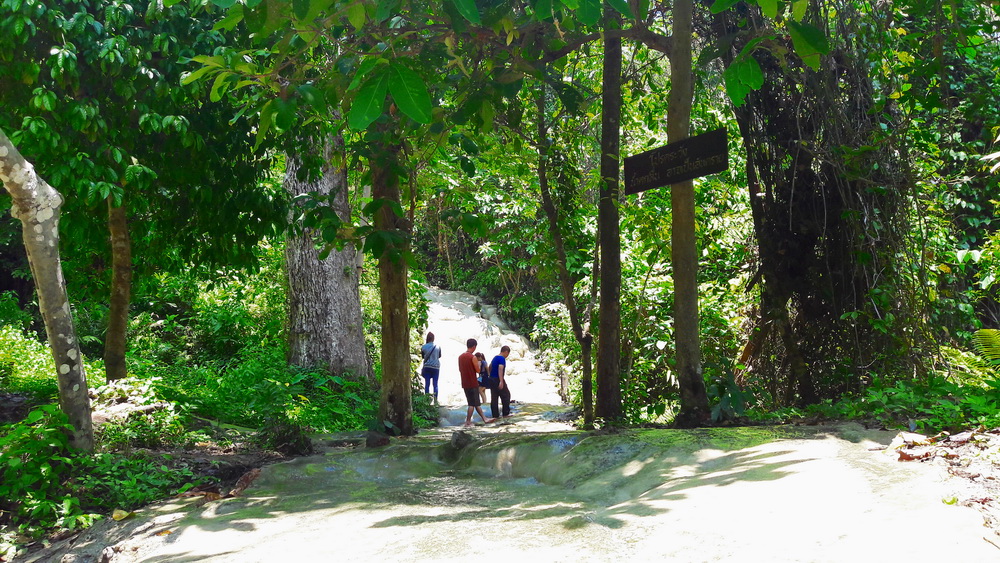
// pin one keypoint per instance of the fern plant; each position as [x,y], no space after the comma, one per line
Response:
[987,342]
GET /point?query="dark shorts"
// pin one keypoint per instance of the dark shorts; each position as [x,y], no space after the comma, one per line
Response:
[472,396]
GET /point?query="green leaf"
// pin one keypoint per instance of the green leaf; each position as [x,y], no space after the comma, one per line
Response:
[256,19]
[410,93]
[192,76]
[799,9]
[313,96]
[735,87]
[622,7]
[543,9]
[723,5]
[369,102]
[474,225]
[219,85]
[317,7]
[769,7]
[206,60]
[466,164]
[809,42]
[364,68]
[300,8]
[285,116]
[469,10]
[356,15]
[385,9]
[34,416]
[224,4]
[266,118]
[589,12]
[751,73]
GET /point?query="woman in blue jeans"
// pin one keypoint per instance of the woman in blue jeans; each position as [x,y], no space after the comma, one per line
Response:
[432,364]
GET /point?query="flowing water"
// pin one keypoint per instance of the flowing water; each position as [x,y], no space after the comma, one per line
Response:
[456,316]
[533,489]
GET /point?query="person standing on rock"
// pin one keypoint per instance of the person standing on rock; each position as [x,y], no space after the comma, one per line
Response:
[468,367]
[432,364]
[498,384]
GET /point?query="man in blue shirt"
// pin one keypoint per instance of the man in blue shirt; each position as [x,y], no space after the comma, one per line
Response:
[432,364]
[498,383]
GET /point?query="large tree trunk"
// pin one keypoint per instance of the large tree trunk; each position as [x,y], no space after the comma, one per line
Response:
[694,400]
[36,205]
[826,238]
[609,392]
[121,290]
[396,405]
[324,308]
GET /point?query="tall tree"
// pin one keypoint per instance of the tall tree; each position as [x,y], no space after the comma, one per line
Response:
[694,400]
[580,326]
[324,306]
[37,206]
[396,405]
[121,291]
[609,394]
[91,94]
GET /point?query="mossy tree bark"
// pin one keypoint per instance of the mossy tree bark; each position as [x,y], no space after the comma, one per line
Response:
[609,392]
[694,399]
[115,342]
[325,324]
[395,405]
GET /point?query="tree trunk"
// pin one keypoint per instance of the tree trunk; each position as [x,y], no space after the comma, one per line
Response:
[36,204]
[694,400]
[325,326]
[609,392]
[121,289]
[396,405]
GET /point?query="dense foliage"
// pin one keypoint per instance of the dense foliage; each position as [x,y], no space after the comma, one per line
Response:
[848,255]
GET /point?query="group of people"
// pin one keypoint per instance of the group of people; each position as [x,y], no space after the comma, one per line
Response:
[478,376]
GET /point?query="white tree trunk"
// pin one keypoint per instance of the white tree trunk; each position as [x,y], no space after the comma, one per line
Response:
[36,205]
[324,308]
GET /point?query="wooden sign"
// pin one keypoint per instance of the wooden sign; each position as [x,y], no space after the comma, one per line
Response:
[691,158]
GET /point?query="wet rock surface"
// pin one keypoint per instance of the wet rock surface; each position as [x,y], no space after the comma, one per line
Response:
[737,494]
[456,316]
[533,488]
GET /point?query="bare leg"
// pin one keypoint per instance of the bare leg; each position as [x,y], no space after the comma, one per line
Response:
[468,416]
[483,416]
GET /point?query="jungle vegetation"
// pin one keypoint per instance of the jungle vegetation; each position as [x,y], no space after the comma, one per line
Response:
[845,265]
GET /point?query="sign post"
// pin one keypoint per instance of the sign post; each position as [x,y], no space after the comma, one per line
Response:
[690,158]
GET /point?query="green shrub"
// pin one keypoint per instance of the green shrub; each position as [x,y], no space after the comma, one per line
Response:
[105,482]
[26,365]
[11,313]
[35,459]
[45,485]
